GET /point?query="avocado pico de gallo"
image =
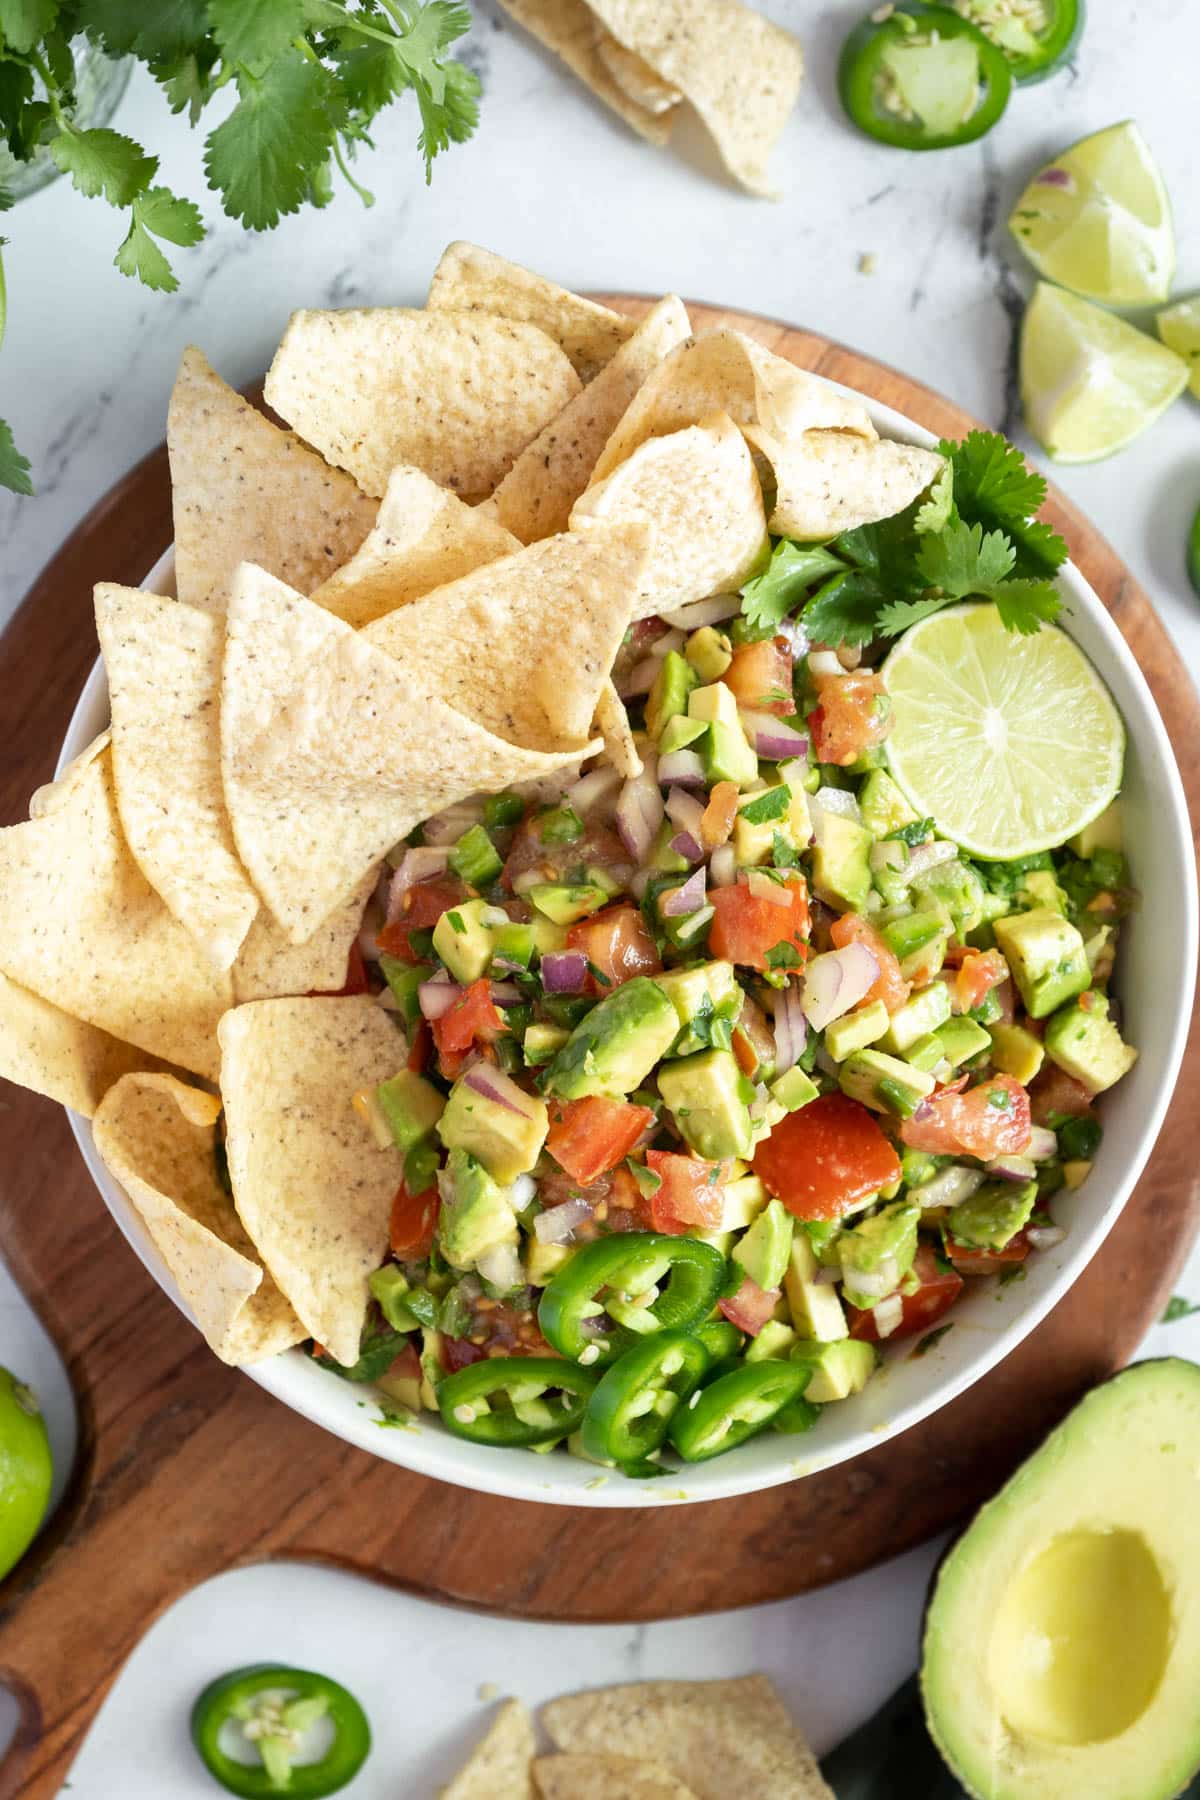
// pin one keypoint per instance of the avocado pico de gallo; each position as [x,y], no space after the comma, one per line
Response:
[722,1076]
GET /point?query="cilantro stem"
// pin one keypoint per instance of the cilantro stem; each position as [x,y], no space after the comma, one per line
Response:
[364,194]
[53,92]
[3,293]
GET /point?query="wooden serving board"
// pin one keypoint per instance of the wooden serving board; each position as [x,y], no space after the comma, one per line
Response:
[185,1468]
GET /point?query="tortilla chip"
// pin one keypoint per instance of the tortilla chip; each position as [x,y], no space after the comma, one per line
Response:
[634,76]
[524,645]
[718,1737]
[424,537]
[157,1135]
[536,496]
[570,29]
[81,925]
[242,490]
[605,1778]
[457,394]
[270,968]
[740,72]
[164,672]
[699,492]
[312,1187]
[469,279]
[48,1051]
[498,1768]
[831,481]
[612,721]
[331,752]
[726,371]
[52,794]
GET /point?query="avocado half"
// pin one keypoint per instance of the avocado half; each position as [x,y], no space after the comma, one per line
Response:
[1061,1655]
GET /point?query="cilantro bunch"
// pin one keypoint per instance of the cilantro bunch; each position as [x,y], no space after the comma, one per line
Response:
[974,535]
[310,77]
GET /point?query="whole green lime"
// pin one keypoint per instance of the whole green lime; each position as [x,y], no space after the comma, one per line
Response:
[26,1469]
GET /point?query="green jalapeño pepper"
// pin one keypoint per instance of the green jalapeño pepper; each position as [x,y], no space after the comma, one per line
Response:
[628,1414]
[1037,36]
[612,1292]
[1193,554]
[922,77]
[515,1402]
[734,1408]
[275,1707]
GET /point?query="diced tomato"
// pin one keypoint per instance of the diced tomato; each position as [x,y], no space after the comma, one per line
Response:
[751,1307]
[692,1193]
[744,1051]
[423,905]
[1054,1093]
[937,1293]
[745,928]
[616,1200]
[407,1366]
[719,816]
[970,1259]
[419,1045]
[589,1137]
[853,714]
[458,1353]
[823,1159]
[474,1018]
[760,676]
[891,986]
[413,1223]
[617,942]
[553,862]
[753,1038]
[990,1119]
[978,973]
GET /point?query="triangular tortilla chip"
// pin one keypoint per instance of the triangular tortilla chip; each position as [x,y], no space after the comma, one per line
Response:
[612,721]
[571,30]
[164,682]
[536,496]
[524,645]
[634,76]
[498,1768]
[423,538]
[699,493]
[45,1049]
[81,925]
[313,1188]
[158,1137]
[270,968]
[54,793]
[718,1737]
[470,279]
[457,394]
[831,481]
[605,1778]
[331,752]
[739,71]
[242,490]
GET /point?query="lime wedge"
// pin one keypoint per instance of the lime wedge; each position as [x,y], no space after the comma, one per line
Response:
[1097,220]
[1179,329]
[1090,382]
[25,1469]
[1010,744]
[1193,553]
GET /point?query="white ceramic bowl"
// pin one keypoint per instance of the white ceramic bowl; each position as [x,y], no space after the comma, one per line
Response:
[1155,984]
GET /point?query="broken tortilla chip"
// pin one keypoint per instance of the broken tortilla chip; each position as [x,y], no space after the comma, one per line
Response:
[536,496]
[54,793]
[312,1187]
[718,1737]
[612,721]
[634,76]
[157,1136]
[269,967]
[524,645]
[470,279]
[498,1767]
[698,491]
[457,394]
[331,751]
[571,30]
[164,673]
[831,481]
[423,538]
[45,1049]
[605,1778]
[81,925]
[242,490]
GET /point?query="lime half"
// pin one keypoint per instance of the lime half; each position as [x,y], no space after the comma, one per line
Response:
[1097,220]
[25,1469]
[1179,329]
[1090,382]
[1010,744]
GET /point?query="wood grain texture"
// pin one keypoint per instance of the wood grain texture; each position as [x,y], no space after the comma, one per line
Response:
[185,1468]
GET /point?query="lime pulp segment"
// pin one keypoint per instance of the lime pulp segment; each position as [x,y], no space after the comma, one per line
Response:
[1179,329]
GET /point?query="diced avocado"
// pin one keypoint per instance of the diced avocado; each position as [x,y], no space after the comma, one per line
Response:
[877,1254]
[918,1166]
[564,903]
[766,1247]
[431,1367]
[1016,1052]
[728,755]
[680,732]
[841,865]
[815,1306]
[742,1201]
[545,1260]
[389,1286]
[993,1214]
[505,1133]
[720,1240]
[411,1105]
[855,1030]
[515,943]
[1075,1173]
[541,1042]
[772,1343]
[1047,958]
[956,890]
[884,1083]
[1039,888]
[615,1046]
[921,966]
[475,1216]
[669,695]
[709,652]
[547,936]
[709,1098]
[793,1089]
[838,1369]
[462,937]
[1105,833]
[764,815]
[662,859]
[961,1039]
[1088,1046]
[988,1010]
[709,990]
[882,805]
[913,932]
[921,1013]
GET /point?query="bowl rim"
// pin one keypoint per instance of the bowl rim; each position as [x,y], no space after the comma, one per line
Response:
[428,1450]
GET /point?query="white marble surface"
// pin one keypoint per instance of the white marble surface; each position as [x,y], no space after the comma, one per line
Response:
[552,180]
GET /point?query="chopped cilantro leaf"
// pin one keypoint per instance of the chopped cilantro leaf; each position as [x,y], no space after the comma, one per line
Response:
[931,1338]
[767,806]
[962,559]
[1179,1307]
[917,831]
[779,589]
[456,922]
[103,162]
[933,514]
[14,468]
[598,975]
[783,956]
[783,854]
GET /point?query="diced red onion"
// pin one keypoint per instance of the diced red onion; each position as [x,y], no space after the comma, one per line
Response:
[1042,1143]
[640,812]
[765,887]
[564,971]
[1044,1237]
[686,899]
[827,1277]
[890,854]
[505,993]
[597,785]
[419,864]
[949,1187]
[681,766]
[558,1223]
[368,949]
[670,640]
[791,1028]
[520,1192]
[795,635]
[888,1315]
[703,612]
[447,827]
[824,662]
[437,997]
[836,982]
[685,845]
[684,810]
[501,1267]
[1056,178]
[722,866]
[1012,1168]
[493,1084]
[770,737]
[640,679]
[839,801]
[929,856]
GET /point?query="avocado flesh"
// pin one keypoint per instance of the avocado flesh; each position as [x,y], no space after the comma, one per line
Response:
[706,1095]
[1062,1641]
[615,1046]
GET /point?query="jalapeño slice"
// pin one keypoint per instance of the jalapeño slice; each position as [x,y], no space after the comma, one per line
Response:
[923,78]
[622,1288]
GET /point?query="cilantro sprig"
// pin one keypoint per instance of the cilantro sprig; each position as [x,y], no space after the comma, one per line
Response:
[310,77]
